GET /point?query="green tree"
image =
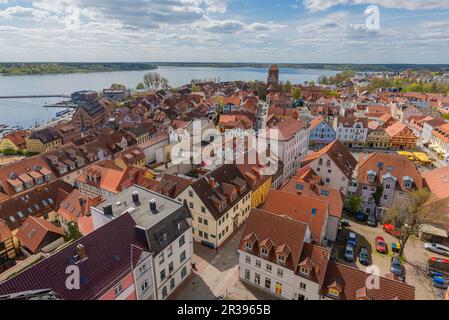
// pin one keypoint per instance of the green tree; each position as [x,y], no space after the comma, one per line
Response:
[73,231]
[140,86]
[288,86]
[410,212]
[9,152]
[297,94]
[196,88]
[354,203]
[117,86]
[377,195]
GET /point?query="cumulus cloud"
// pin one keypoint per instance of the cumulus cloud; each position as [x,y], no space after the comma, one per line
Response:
[322,5]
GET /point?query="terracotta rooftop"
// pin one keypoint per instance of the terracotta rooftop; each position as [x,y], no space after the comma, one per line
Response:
[351,284]
[386,163]
[339,155]
[36,233]
[308,210]
[281,231]
[312,190]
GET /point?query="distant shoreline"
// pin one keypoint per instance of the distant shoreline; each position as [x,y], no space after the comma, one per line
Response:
[58,68]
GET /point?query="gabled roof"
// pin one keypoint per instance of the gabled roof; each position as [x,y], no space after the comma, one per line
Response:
[92,108]
[109,260]
[34,202]
[342,158]
[317,121]
[312,190]
[18,168]
[317,257]
[400,167]
[286,130]
[36,233]
[280,230]
[172,185]
[351,283]
[437,181]
[396,129]
[227,174]
[44,135]
[310,211]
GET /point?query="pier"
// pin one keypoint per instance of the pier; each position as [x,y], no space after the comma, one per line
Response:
[36,96]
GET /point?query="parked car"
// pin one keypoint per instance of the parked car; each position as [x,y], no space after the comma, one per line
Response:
[396,267]
[349,253]
[364,256]
[391,229]
[381,246]
[372,221]
[360,216]
[440,282]
[438,267]
[352,239]
[437,248]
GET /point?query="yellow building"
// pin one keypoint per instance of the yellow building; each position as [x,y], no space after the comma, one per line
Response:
[133,156]
[6,144]
[43,141]
[260,184]
[15,141]
[220,203]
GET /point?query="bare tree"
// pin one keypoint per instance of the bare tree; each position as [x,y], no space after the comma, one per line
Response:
[413,210]
[155,81]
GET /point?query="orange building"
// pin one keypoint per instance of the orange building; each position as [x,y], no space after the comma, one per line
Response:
[401,137]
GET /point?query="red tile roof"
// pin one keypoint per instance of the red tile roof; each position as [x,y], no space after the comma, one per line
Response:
[351,283]
[401,167]
[339,155]
[36,233]
[280,231]
[310,211]
[312,190]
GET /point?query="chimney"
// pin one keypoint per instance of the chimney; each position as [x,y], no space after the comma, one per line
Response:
[153,206]
[136,197]
[107,210]
[212,183]
[81,252]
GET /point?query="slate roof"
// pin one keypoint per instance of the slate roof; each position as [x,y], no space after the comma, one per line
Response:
[92,108]
[227,174]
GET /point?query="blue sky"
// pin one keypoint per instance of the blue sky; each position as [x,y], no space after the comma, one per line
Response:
[303,31]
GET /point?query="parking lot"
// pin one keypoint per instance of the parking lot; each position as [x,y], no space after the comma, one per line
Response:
[415,262]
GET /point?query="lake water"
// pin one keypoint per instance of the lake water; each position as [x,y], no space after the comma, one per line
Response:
[26,112]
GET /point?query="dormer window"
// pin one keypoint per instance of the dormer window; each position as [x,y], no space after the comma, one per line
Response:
[281,258]
[371,175]
[249,245]
[304,270]
[264,251]
[408,182]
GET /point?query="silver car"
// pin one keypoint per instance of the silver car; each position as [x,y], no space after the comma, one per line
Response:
[437,248]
